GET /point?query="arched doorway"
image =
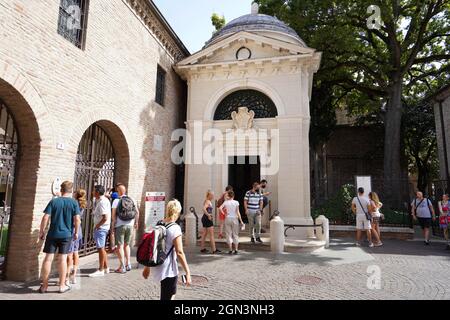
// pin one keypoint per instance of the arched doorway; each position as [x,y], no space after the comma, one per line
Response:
[244,169]
[95,164]
[9,145]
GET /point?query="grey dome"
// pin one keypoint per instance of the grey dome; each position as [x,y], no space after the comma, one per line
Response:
[254,22]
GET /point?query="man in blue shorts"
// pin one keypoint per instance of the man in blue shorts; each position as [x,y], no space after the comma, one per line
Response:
[64,215]
[102,223]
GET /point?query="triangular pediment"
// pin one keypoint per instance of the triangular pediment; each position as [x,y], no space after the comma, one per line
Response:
[260,48]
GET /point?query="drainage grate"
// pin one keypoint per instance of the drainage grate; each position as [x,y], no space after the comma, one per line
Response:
[308,280]
[196,281]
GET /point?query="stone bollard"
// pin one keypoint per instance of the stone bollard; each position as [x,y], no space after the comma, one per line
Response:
[191,229]
[277,235]
[325,236]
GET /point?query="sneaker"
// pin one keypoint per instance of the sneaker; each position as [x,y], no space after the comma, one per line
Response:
[379,244]
[107,271]
[204,251]
[128,268]
[230,252]
[252,240]
[371,245]
[217,251]
[357,244]
[96,274]
[235,252]
[259,240]
[427,243]
[121,270]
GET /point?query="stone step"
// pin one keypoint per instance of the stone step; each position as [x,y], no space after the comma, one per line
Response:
[291,244]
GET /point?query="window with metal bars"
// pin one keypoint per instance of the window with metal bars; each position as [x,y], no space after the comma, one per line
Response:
[72,21]
[160,85]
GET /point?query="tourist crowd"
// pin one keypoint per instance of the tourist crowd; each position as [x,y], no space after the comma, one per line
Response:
[115,216]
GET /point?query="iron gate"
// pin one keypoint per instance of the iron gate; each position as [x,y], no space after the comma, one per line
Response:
[95,165]
[8,155]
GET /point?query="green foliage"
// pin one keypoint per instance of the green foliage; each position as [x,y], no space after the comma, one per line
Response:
[338,208]
[364,68]
[3,244]
[394,217]
[419,136]
[218,21]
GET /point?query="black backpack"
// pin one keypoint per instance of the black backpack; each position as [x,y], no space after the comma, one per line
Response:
[126,210]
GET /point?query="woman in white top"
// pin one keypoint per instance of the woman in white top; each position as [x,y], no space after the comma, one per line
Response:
[232,226]
[167,273]
[375,206]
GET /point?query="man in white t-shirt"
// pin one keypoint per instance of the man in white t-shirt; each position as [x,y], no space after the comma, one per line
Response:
[102,224]
[360,207]
[123,230]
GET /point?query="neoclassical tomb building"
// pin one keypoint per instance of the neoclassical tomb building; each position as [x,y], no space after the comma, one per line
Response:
[254,75]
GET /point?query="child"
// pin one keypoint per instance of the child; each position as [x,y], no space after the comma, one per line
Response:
[223,212]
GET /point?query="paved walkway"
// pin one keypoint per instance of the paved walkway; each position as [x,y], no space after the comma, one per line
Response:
[409,270]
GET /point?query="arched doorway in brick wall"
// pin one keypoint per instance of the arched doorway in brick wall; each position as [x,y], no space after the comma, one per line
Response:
[102,159]
[9,145]
[20,148]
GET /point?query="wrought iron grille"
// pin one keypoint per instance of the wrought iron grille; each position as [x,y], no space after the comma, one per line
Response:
[95,165]
[254,100]
[72,20]
[8,154]
[160,86]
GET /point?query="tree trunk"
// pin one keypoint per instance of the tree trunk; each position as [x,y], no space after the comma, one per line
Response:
[422,178]
[392,141]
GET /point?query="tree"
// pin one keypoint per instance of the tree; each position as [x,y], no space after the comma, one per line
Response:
[419,133]
[218,21]
[375,60]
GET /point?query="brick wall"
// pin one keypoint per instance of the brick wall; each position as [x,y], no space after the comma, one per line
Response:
[56,91]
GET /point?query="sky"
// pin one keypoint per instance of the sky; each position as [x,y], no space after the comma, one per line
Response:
[191,19]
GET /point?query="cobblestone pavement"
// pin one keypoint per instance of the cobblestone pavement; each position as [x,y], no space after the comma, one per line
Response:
[409,270]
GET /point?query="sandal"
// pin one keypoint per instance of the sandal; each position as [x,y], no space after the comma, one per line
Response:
[67,288]
[41,289]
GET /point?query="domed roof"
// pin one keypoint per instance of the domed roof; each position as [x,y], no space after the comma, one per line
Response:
[254,22]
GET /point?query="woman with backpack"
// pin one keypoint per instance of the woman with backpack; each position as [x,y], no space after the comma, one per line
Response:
[167,272]
[208,224]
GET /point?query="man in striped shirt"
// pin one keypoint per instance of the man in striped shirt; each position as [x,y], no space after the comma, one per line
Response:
[253,204]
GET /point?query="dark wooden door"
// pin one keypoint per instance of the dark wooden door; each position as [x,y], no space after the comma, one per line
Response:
[242,173]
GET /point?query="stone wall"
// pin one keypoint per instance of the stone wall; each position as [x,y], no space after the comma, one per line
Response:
[440,132]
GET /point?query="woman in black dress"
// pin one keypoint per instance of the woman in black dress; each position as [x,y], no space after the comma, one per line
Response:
[208,224]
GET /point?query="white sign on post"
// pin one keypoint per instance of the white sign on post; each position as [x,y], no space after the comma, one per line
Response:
[155,207]
[364,182]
